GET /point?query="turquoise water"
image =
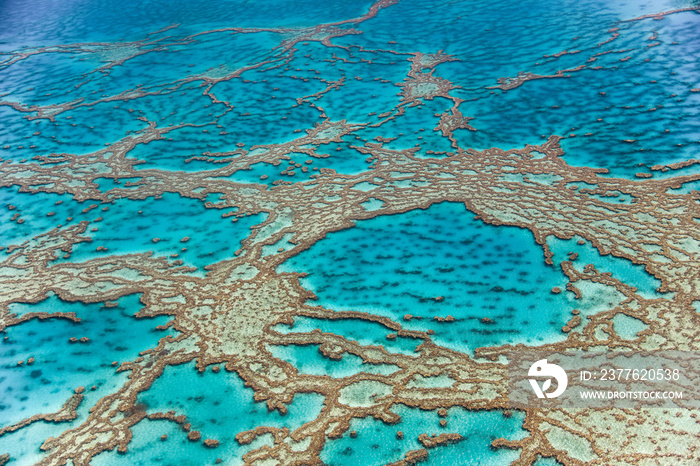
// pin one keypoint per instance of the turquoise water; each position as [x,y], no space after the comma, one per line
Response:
[60,366]
[376,443]
[33,209]
[309,360]
[620,268]
[363,332]
[125,227]
[216,404]
[397,265]
[486,52]
[638,110]
[498,38]
[546,462]
[302,167]
[169,220]
[628,327]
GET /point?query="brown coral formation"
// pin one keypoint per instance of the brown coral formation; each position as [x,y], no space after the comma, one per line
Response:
[66,413]
[432,441]
[228,318]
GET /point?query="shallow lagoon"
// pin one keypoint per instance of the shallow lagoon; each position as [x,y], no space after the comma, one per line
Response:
[438,263]
[60,367]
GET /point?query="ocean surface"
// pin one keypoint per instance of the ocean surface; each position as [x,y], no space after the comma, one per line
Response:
[147,62]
